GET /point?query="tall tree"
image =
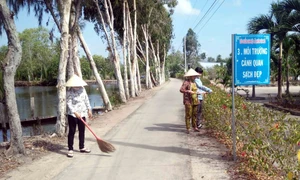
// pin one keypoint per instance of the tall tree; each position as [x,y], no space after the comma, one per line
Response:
[9,66]
[103,93]
[192,47]
[203,56]
[64,12]
[105,19]
[37,53]
[277,24]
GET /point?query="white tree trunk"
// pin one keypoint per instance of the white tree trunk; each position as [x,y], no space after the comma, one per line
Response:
[148,78]
[74,66]
[103,92]
[61,79]
[112,44]
[158,75]
[125,44]
[155,61]
[10,65]
[138,75]
[129,52]
[163,73]
[134,63]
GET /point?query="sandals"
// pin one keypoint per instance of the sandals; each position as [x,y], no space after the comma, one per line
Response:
[70,154]
[85,150]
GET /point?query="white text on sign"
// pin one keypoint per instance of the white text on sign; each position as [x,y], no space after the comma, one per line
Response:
[252,74]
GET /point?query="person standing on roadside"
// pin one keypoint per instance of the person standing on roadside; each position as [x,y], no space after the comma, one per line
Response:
[202,90]
[190,99]
[78,106]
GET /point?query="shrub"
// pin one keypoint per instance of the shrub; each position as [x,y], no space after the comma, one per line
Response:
[267,140]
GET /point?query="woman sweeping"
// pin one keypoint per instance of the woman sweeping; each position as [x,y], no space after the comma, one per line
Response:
[78,106]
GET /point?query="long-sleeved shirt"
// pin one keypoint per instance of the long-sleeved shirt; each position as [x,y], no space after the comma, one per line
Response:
[78,101]
[185,87]
[201,88]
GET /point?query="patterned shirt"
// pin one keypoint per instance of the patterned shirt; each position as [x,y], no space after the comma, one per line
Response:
[201,88]
[185,87]
[78,101]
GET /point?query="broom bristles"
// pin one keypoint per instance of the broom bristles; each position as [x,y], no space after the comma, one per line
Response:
[105,146]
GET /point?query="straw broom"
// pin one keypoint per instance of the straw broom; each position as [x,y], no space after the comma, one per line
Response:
[104,146]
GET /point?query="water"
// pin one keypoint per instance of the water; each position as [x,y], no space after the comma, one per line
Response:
[45,104]
[45,100]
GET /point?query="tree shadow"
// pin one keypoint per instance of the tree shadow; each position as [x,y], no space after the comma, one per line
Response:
[167,127]
[174,149]
[49,146]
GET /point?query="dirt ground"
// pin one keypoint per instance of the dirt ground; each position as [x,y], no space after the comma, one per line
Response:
[42,145]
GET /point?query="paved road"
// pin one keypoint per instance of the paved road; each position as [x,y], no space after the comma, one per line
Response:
[152,144]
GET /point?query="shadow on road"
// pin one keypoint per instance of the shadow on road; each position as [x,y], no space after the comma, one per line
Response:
[202,153]
[167,127]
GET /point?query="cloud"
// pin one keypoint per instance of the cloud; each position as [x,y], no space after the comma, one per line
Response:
[237,2]
[185,7]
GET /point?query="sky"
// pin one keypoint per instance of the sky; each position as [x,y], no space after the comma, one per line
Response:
[214,21]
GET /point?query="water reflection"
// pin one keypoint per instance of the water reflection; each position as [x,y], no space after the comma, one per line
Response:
[45,101]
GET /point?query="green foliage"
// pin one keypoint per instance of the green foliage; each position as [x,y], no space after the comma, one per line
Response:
[86,70]
[104,66]
[114,98]
[39,58]
[266,139]
[192,48]
[175,63]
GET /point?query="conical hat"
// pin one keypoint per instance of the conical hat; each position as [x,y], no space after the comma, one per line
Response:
[75,81]
[191,72]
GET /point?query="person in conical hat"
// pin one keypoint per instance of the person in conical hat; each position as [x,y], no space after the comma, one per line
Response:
[75,81]
[190,100]
[78,106]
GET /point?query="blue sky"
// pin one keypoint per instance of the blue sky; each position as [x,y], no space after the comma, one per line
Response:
[214,30]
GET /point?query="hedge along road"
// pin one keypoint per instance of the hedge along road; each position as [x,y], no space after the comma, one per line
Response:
[151,143]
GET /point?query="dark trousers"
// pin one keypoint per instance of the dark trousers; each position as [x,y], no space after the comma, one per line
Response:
[72,129]
[199,113]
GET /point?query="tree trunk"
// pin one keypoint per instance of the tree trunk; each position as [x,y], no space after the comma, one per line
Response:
[74,61]
[279,95]
[125,44]
[155,61]
[112,43]
[147,75]
[158,75]
[138,79]
[10,65]
[61,79]
[163,73]
[134,63]
[129,52]
[287,76]
[103,92]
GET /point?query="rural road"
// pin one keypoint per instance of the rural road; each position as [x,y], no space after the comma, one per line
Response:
[151,144]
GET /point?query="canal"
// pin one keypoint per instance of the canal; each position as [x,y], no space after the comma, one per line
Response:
[45,100]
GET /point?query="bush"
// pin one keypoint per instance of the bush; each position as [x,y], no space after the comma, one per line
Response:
[267,140]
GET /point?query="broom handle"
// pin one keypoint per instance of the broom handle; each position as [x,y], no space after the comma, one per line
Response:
[89,128]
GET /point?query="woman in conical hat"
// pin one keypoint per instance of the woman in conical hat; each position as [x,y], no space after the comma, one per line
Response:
[190,100]
[78,106]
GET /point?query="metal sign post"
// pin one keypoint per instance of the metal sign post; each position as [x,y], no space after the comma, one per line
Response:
[250,66]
